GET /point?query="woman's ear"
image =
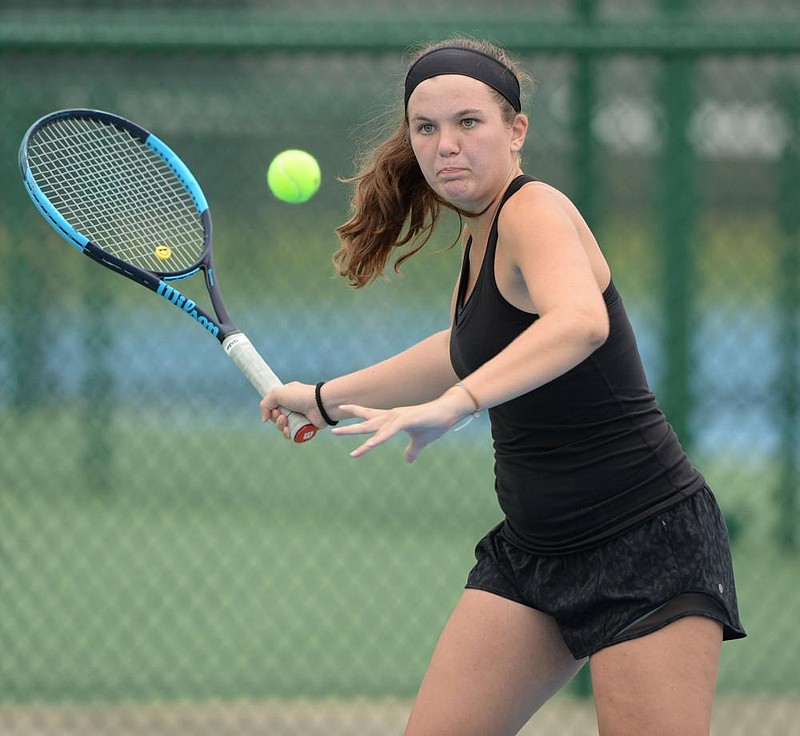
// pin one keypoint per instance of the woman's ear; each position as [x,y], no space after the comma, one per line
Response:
[519,131]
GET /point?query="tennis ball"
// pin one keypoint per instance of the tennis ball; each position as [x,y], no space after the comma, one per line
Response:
[294,176]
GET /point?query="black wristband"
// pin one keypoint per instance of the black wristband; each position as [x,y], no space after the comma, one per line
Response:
[321,408]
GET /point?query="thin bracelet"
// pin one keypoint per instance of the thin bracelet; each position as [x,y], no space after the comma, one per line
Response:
[471,396]
[472,415]
[323,413]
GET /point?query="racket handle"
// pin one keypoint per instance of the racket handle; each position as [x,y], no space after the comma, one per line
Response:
[241,351]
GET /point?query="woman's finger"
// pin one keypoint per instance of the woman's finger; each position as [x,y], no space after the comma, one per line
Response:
[360,412]
[371,420]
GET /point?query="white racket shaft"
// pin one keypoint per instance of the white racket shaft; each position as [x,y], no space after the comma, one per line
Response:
[241,351]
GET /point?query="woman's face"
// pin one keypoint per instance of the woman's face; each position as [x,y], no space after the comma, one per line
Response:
[466,151]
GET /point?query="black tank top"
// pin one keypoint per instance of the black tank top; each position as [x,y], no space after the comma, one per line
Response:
[585,456]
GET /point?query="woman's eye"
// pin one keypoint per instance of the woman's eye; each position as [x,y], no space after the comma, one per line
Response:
[425,128]
[469,122]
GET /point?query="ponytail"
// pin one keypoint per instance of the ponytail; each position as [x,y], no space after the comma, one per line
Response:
[392,206]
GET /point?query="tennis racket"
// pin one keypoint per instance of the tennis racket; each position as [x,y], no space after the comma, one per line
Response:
[122,197]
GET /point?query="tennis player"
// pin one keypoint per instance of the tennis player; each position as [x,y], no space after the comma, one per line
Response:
[612,549]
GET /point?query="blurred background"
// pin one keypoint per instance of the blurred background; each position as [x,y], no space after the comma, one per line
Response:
[170,566]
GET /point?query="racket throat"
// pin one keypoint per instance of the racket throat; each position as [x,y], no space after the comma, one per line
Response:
[187,305]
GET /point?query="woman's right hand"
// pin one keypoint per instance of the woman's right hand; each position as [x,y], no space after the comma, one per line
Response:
[295,396]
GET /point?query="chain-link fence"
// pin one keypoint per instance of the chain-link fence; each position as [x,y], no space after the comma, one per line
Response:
[167,565]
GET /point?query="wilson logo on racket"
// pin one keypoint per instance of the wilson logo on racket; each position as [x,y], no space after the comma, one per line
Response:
[171,294]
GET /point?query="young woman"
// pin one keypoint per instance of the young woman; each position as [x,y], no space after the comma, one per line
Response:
[612,548]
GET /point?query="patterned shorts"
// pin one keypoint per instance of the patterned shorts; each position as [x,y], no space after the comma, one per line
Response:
[675,564]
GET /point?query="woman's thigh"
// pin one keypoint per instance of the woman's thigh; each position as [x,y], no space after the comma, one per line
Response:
[496,663]
[660,684]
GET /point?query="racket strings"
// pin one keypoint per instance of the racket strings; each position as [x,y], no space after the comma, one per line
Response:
[118,192]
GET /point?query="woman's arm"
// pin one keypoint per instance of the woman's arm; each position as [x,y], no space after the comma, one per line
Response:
[416,375]
[544,267]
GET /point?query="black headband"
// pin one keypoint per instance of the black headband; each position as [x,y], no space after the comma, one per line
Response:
[469,63]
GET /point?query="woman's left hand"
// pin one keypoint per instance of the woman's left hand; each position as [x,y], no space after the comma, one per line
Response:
[424,423]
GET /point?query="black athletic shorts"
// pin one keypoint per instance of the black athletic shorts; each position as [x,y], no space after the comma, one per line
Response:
[676,564]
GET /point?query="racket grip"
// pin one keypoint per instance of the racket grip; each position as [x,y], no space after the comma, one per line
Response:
[241,351]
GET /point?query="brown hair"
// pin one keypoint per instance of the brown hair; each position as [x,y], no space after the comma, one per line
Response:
[392,204]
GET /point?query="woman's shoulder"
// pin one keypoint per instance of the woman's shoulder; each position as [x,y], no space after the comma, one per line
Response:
[536,201]
[542,194]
